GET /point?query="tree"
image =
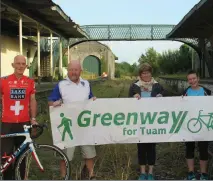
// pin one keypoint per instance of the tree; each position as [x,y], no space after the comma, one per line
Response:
[168,62]
[134,69]
[151,57]
[176,61]
[125,69]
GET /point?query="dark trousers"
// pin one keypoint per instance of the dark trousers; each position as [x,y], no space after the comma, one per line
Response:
[146,153]
[8,145]
[203,150]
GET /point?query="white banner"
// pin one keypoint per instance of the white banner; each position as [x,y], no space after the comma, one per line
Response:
[128,120]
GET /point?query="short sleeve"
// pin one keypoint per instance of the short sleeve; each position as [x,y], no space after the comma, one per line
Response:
[55,94]
[33,88]
[90,92]
[1,86]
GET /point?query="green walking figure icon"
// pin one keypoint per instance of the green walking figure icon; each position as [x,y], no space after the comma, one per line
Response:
[67,123]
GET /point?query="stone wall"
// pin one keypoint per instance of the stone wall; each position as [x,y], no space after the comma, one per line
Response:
[178,85]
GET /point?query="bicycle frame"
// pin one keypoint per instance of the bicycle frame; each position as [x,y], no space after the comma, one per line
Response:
[28,142]
[207,115]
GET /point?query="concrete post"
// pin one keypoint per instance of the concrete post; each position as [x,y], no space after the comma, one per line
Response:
[193,59]
[20,35]
[60,59]
[51,56]
[201,45]
[38,55]
[68,52]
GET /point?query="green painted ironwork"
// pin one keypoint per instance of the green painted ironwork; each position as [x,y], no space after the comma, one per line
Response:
[130,32]
[127,32]
[92,64]
[120,32]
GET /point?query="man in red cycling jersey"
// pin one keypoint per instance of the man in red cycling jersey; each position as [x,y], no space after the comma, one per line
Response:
[19,107]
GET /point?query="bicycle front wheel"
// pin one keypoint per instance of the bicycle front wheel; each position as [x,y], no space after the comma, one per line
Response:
[194,125]
[56,165]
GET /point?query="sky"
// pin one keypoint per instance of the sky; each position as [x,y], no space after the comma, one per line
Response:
[91,12]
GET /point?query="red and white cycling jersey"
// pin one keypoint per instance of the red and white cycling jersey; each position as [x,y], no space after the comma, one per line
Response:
[16,95]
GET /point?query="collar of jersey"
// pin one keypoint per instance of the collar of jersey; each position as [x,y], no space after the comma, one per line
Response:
[14,76]
[81,81]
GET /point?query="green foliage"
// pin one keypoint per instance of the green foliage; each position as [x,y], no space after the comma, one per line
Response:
[65,61]
[177,61]
[125,69]
[169,62]
[151,57]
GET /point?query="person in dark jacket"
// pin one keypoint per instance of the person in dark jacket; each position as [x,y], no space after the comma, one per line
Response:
[146,86]
[196,90]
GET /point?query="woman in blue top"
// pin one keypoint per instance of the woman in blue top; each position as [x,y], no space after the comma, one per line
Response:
[146,87]
[196,90]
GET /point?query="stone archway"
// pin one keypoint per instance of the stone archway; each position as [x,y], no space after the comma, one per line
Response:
[98,50]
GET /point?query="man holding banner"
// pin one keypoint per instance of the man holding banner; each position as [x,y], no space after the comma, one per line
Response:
[73,89]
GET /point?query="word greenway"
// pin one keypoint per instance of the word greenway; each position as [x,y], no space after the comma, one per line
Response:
[87,119]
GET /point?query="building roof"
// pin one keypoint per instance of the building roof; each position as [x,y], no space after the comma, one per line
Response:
[197,23]
[45,12]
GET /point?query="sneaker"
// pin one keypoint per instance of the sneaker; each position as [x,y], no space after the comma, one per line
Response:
[191,176]
[92,178]
[142,176]
[204,176]
[150,177]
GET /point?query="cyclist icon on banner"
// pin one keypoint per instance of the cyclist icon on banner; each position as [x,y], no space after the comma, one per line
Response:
[195,124]
[67,123]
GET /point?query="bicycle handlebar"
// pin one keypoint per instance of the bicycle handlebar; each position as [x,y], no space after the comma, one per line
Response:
[39,127]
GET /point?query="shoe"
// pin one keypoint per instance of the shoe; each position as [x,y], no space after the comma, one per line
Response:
[204,176]
[150,177]
[92,178]
[191,176]
[142,176]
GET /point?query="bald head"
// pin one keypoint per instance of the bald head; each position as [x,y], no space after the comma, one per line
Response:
[19,58]
[74,70]
[74,64]
[19,64]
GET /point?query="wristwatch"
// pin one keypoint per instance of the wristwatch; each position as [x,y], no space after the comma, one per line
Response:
[33,119]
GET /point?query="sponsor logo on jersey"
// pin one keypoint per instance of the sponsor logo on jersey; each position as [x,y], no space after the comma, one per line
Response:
[17,94]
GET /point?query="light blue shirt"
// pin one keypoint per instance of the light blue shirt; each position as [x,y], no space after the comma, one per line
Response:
[192,92]
[145,94]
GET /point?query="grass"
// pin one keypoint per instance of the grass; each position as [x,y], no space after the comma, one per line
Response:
[119,162]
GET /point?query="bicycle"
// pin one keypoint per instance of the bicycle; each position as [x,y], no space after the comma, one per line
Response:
[29,147]
[194,125]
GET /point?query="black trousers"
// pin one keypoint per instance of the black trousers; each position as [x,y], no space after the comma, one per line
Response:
[203,150]
[8,145]
[146,153]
